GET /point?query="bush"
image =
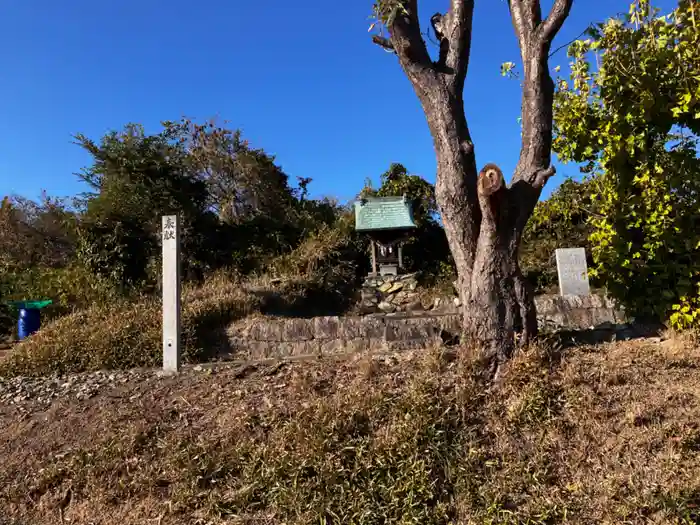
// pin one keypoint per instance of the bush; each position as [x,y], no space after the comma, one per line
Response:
[320,276]
[7,320]
[317,278]
[236,207]
[637,127]
[71,288]
[127,334]
[561,221]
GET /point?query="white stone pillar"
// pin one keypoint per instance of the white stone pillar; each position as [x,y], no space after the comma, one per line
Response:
[171,293]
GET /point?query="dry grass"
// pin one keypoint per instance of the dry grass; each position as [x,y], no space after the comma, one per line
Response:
[315,279]
[605,435]
[128,334]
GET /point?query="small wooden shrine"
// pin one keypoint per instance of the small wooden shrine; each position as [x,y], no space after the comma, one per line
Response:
[387,221]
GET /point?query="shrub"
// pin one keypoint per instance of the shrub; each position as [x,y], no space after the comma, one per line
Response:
[7,320]
[633,119]
[561,221]
[71,289]
[320,276]
[127,334]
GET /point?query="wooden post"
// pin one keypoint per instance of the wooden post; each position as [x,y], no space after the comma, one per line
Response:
[171,293]
[374,257]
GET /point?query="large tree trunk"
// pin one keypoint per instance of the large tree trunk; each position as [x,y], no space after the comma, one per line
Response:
[498,305]
[480,233]
[484,220]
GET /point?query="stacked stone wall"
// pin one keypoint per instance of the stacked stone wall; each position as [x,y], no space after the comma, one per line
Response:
[265,338]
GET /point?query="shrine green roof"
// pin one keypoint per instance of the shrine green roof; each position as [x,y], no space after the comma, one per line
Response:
[383,213]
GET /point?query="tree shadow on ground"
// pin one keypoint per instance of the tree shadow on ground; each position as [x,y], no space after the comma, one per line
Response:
[604,333]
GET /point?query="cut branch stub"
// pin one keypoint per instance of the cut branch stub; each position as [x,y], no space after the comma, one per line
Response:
[542,176]
[490,180]
[491,188]
[438,23]
[383,42]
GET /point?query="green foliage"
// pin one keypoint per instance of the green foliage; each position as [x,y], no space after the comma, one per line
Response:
[236,207]
[116,249]
[635,121]
[561,221]
[137,179]
[7,320]
[241,181]
[71,287]
[37,259]
[260,215]
[508,69]
[320,275]
[235,204]
[384,13]
[397,182]
[36,233]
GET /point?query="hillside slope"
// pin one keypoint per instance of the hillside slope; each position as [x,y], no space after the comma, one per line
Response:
[606,434]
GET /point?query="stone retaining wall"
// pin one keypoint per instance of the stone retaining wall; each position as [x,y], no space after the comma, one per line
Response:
[556,312]
[265,338]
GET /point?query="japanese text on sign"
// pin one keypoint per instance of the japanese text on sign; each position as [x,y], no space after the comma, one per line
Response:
[169,229]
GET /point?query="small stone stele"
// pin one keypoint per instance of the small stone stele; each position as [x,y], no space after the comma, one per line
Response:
[572,271]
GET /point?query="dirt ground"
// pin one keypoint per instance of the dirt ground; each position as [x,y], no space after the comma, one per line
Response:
[595,434]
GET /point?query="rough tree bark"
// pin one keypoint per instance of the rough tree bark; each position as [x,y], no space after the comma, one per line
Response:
[484,219]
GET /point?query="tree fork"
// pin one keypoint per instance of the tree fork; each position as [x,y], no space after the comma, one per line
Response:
[483,218]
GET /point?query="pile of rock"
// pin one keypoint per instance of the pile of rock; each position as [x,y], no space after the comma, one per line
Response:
[43,390]
[390,293]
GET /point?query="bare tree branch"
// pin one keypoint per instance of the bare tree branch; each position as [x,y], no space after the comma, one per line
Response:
[453,31]
[438,23]
[535,38]
[460,19]
[383,42]
[526,16]
[407,39]
[551,26]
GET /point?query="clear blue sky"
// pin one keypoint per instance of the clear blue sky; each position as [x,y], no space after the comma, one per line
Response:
[301,79]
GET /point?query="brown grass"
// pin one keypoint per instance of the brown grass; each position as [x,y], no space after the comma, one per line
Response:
[124,334]
[607,434]
[314,279]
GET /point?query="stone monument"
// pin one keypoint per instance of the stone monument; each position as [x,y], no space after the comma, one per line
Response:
[572,271]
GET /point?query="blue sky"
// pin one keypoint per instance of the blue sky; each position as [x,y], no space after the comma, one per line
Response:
[301,79]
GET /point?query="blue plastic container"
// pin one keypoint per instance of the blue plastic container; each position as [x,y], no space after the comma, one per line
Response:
[29,322]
